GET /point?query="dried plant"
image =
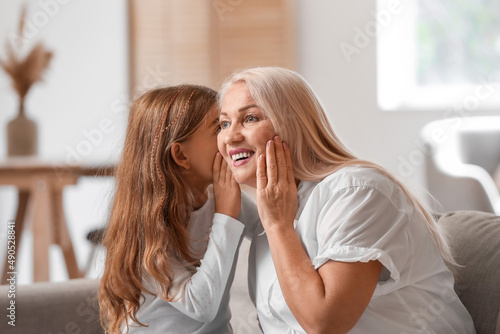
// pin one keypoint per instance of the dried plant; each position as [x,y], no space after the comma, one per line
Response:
[25,72]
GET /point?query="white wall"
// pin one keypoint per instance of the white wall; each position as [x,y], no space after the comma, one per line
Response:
[87,79]
[348,90]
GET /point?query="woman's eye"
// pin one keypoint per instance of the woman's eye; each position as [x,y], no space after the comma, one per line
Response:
[251,118]
[223,125]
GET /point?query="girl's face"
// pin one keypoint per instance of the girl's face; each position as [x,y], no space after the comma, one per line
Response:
[201,148]
[244,132]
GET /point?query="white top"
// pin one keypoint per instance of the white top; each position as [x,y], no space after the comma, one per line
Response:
[203,304]
[358,215]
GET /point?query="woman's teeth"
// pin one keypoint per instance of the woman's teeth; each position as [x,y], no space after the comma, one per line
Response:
[242,155]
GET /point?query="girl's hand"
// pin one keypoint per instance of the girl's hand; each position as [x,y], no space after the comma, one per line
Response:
[227,192]
[277,200]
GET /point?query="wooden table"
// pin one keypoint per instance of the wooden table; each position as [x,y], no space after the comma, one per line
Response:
[40,184]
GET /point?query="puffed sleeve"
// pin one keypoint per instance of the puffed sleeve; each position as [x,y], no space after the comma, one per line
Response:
[361,224]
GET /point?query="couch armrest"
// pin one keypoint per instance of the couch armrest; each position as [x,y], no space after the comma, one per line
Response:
[475,244]
[62,307]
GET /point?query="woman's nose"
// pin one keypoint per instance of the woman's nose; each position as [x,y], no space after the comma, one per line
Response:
[233,134]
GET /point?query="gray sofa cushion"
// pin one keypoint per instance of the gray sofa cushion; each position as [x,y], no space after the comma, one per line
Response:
[475,242]
[62,307]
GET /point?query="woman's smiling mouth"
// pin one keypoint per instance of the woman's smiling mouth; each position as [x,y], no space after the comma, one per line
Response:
[240,156]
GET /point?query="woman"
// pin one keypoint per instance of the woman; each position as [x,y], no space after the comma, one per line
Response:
[172,239]
[346,247]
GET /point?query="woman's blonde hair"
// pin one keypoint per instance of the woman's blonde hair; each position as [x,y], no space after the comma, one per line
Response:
[151,207]
[299,118]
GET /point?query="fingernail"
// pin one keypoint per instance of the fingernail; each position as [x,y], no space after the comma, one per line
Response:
[276,139]
[269,143]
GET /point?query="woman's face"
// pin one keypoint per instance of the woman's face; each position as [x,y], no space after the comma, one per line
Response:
[244,133]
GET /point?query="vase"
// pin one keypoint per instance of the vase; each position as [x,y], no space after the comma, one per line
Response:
[22,138]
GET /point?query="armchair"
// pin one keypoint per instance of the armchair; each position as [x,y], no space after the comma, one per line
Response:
[461,158]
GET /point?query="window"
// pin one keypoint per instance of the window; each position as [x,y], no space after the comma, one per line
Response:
[440,54]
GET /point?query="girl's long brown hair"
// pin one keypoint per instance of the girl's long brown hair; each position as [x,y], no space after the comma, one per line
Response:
[151,206]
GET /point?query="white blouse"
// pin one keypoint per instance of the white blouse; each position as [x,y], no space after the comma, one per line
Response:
[358,215]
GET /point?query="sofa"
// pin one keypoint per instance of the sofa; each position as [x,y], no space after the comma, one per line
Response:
[475,243]
[71,307]
[68,307]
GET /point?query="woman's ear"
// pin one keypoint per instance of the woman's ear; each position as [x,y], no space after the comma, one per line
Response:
[180,158]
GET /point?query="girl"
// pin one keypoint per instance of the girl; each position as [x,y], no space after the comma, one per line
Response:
[350,249]
[172,240]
